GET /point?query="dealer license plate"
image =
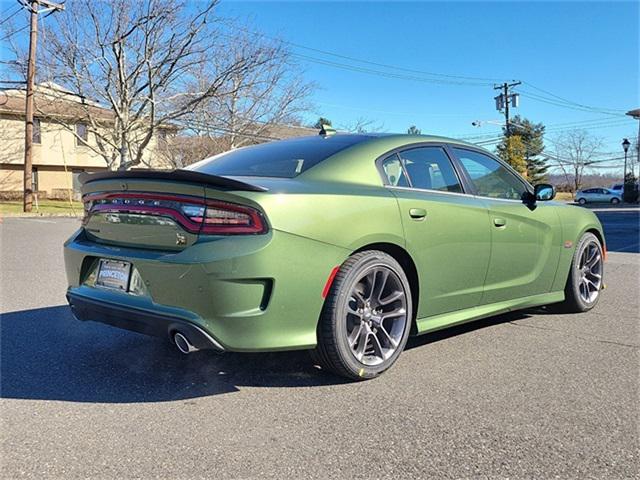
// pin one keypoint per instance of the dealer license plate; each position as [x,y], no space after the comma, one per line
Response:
[114,274]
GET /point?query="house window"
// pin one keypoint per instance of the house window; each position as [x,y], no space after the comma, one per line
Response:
[34,179]
[82,134]
[37,135]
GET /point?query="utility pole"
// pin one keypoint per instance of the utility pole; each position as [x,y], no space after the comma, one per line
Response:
[503,100]
[635,114]
[32,6]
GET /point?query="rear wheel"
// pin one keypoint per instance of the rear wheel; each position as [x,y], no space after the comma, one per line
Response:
[585,281]
[366,318]
[582,201]
[615,201]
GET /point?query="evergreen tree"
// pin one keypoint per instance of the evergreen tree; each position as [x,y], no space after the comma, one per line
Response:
[322,121]
[413,130]
[531,135]
[512,150]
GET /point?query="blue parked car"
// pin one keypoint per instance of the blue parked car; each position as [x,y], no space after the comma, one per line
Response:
[598,195]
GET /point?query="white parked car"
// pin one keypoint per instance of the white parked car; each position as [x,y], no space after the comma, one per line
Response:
[598,195]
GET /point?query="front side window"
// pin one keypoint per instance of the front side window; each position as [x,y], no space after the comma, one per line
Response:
[489,177]
[82,133]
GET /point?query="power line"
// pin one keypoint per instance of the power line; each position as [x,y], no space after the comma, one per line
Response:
[381,73]
[13,33]
[617,123]
[10,16]
[570,101]
[590,120]
[540,98]
[372,63]
[555,128]
[441,78]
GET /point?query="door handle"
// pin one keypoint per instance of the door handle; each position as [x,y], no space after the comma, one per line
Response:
[499,222]
[417,213]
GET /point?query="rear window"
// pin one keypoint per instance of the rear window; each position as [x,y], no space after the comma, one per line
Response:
[284,158]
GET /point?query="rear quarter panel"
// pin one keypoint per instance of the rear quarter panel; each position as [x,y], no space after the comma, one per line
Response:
[341,214]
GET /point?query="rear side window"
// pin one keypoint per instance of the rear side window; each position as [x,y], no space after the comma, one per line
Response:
[284,158]
[394,172]
[426,168]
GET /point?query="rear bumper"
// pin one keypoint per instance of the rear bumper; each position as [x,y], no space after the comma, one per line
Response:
[249,293]
[140,321]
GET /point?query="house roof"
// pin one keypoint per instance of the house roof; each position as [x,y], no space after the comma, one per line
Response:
[55,102]
[287,131]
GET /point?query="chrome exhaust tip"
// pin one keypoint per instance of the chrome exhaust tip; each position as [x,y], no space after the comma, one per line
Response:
[183,344]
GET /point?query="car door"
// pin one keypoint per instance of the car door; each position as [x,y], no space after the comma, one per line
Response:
[525,239]
[446,231]
[596,195]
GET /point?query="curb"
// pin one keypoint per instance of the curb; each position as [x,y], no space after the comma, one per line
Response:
[606,206]
[613,210]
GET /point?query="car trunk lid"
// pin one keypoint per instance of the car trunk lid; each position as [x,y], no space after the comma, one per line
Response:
[164,210]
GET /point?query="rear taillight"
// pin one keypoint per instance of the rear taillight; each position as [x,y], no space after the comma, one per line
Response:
[195,215]
[225,218]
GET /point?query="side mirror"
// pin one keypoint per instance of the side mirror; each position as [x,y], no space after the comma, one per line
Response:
[544,192]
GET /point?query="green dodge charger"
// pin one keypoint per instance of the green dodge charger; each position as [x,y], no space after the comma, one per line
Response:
[340,244]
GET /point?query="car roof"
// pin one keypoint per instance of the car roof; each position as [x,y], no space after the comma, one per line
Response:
[401,137]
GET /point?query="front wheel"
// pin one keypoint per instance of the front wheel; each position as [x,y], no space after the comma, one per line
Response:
[366,318]
[585,280]
[582,201]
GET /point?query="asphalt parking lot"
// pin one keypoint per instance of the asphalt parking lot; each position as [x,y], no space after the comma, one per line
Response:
[622,229]
[526,395]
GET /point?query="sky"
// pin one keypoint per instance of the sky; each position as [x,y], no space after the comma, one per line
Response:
[434,64]
[584,52]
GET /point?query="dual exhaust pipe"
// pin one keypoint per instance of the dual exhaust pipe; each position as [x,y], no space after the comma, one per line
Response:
[183,343]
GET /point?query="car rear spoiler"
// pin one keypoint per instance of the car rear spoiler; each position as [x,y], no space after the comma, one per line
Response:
[187,176]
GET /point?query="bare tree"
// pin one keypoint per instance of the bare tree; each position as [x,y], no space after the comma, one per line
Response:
[182,150]
[252,101]
[362,125]
[154,64]
[575,151]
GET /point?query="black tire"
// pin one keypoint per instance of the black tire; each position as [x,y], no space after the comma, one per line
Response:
[582,201]
[615,201]
[574,301]
[334,351]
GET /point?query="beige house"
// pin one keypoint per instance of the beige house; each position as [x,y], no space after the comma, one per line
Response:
[61,142]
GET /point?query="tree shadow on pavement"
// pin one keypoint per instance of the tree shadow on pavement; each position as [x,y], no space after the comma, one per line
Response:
[48,355]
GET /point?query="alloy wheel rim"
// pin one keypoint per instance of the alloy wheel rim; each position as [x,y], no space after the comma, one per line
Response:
[590,272]
[376,316]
